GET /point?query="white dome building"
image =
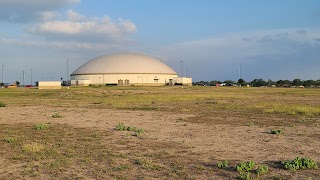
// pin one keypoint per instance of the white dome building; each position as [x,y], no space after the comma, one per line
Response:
[123,69]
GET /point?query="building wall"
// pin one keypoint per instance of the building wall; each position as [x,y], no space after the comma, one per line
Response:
[186,81]
[49,85]
[134,79]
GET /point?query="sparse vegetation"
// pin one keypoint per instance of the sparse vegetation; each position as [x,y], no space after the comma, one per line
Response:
[300,163]
[262,169]
[2,104]
[41,126]
[56,115]
[33,148]
[88,147]
[245,166]
[9,139]
[276,131]
[223,164]
[136,131]
[250,124]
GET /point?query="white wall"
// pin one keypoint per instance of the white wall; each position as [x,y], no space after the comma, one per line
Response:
[134,79]
[49,85]
[183,80]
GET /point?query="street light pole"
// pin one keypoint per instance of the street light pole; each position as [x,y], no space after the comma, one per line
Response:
[182,68]
[68,69]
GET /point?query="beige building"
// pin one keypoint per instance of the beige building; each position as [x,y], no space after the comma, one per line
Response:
[49,85]
[124,69]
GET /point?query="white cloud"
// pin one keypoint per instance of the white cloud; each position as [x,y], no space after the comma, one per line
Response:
[74,16]
[218,57]
[77,28]
[30,10]
[74,31]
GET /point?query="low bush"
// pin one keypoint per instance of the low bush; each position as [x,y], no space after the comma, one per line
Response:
[250,124]
[276,131]
[56,115]
[300,163]
[223,164]
[262,169]
[41,126]
[2,104]
[245,166]
[9,140]
[137,131]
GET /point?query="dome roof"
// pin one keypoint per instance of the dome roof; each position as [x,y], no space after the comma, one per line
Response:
[123,63]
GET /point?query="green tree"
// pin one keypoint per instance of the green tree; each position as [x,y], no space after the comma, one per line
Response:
[309,83]
[242,82]
[214,82]
[17,83]
[1,84]
[258,83]
[297,82]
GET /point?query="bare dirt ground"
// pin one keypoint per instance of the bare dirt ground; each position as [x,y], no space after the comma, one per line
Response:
[208,142]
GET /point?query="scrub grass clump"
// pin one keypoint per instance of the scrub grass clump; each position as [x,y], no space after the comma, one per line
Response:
[300,163]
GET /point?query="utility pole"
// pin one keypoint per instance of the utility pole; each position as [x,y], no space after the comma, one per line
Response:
[2,74]
[22,77]
[31,78]
[240,71]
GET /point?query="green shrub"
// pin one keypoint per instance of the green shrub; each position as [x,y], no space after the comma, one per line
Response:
[276,131]
[246,176]
[138,132]
[245,166]
[2,104]
[250,124]
[9,140]
[223,164]
[122,127]
[300,163]
[41,126]
[262,169]
[56,115]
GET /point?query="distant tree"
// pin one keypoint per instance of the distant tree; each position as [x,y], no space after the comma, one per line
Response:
[1,84]
[228,82]
[37,83]
[258,83]
[309,83]
[202,83]
[284,83]
[214,82]
[297,82]
[270,83]
[17,83]
[242,82]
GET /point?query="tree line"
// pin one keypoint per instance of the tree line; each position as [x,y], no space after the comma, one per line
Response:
[261,83]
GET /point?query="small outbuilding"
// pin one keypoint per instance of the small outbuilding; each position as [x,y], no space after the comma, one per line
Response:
[49,85]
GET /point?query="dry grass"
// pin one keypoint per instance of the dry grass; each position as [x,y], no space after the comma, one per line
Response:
[242,117]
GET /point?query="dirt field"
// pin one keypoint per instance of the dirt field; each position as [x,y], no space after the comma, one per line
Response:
[186,132]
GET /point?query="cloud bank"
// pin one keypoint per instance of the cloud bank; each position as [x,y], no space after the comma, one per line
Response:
[282,53]
[75,31]
[30,10]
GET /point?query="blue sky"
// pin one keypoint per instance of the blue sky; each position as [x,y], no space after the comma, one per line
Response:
[270,39]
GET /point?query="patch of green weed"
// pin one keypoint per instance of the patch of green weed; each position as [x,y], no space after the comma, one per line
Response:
[41,126]
[223,164]
[300,163]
